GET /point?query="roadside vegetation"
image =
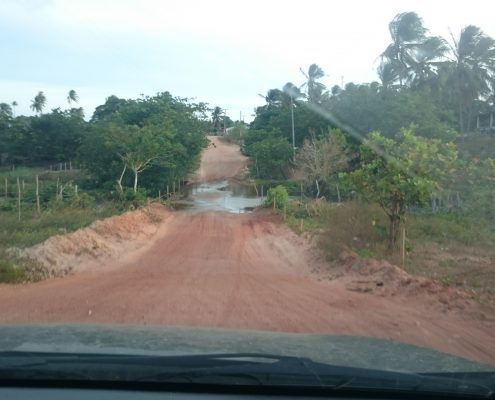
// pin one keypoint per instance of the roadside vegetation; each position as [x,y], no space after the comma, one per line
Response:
[401,169]
[60,172]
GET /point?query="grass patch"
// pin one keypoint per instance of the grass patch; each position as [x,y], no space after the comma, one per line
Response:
[454,249]
[57,216]
[355,226]
[33,229]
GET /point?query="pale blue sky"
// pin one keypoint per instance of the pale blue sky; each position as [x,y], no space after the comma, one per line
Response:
[221,52]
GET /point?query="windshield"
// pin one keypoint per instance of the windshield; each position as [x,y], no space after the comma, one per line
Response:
[314,181]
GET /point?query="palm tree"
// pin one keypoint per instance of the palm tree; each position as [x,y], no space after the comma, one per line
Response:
[471,70]
[425,60]
[216,118]
[72,97]
[388,74]
[407,32]
[290,93]
[14,105]
[38,103]
[5,110]
[314,89]
[273,97]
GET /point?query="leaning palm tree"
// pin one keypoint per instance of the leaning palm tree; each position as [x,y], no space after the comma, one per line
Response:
[425,60]
[39,102]
[72,97]
[388,74]
[471,70]
[291,91]
[407,33]
[273,97]
[314,89]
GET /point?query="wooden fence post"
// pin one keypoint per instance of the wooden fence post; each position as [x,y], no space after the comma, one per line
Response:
[6,188]
[37,194]
[403,246]
[168,193]
[19,199]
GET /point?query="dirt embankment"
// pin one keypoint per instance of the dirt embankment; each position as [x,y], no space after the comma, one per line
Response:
[101,242]
[245,271]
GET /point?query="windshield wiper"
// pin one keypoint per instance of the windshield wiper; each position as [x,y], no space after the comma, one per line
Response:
[265,370]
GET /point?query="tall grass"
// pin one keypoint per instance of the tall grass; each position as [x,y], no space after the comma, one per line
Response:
[456,249]
[56,216]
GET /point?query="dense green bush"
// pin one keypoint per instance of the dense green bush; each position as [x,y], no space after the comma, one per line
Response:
[278,196]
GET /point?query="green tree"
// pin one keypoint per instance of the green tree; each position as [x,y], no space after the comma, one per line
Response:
[108,110]
[216,119]
[426,58]
[364,109]
[271,155]
[6,110]
[137,147]
[72,97]
[39,102]
[314,89]
[14,104]
[322,159]
[470,70]
[181,126]
[401,173]
[407,33]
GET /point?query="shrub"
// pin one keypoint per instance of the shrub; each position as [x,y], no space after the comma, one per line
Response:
[82,200]
[277,195]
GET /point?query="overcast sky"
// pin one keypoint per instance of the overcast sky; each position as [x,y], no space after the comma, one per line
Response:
[221,52]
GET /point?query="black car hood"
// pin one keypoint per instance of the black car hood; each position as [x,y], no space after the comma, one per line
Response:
[351,351]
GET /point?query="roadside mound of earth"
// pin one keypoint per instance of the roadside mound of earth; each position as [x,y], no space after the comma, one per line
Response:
[380,278]
[98,243]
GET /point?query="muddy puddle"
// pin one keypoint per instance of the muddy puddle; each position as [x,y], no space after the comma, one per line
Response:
[219,196]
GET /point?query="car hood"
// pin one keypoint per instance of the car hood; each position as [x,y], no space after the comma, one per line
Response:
[352,351]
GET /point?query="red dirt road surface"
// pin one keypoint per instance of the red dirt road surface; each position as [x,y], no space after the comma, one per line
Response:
[246,271]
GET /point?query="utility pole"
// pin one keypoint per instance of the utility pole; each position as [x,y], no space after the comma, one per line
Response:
[293,133]
[224,122]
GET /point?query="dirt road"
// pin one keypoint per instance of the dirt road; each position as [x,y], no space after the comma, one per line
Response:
[220,161]
[248,272]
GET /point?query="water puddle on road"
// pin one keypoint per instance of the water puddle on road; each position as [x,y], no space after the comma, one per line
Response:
[220,196]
